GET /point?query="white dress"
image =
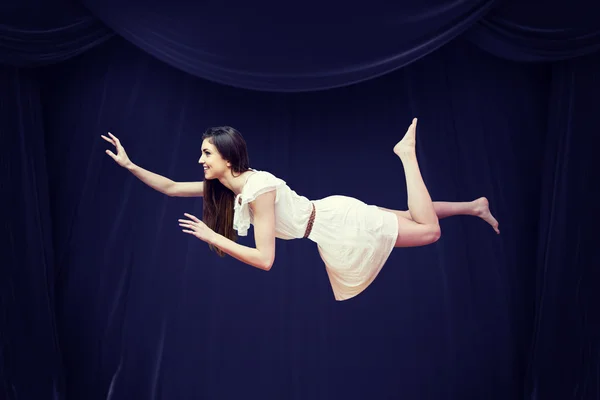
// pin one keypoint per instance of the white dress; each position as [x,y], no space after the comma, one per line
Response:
[354,239]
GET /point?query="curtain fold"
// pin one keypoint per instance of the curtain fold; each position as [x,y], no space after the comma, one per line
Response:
[36,33]
[539,31]
[296,49]
[314,47]
[30,353]
[563,358]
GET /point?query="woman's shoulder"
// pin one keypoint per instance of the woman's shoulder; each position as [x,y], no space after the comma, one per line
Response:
[260,180]
[262,175]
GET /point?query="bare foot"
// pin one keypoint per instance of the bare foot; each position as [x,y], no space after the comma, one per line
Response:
[406,147]
[482,210]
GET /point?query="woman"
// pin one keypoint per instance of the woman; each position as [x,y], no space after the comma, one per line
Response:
[354,239]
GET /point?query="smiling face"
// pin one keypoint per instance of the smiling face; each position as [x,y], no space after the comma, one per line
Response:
[215,166]
[224,153]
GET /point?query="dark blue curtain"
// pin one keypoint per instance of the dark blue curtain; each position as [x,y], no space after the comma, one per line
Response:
[286,47]
[30,358]
[171,319]
[567,323]
[540,30]
[102,296]
[41,32]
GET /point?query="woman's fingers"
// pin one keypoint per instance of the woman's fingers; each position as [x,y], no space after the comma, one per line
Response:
[116,140]
[110,153]
[186,223]
[192,217]
[108,140]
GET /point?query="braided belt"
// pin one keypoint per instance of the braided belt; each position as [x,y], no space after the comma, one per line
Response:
[311,220]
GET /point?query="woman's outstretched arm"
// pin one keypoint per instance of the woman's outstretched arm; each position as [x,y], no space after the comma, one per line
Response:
[166,185]
[155,181]
[263,256]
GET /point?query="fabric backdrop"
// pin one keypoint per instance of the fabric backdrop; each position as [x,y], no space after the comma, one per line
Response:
[103,297]
[286,48]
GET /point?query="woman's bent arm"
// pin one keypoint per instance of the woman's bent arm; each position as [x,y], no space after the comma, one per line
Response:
[245,254]
[263,256]
[166,185]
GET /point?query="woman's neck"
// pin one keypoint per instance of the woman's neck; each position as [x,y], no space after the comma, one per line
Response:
[236,183]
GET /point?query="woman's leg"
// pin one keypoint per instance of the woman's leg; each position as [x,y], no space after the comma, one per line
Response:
[444,209]
[423,228]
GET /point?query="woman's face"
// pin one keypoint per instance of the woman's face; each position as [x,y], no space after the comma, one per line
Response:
[214,165]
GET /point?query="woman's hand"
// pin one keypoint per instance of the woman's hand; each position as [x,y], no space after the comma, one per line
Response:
[121,157]
[197,228]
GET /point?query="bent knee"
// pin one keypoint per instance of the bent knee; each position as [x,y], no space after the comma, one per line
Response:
[411,234]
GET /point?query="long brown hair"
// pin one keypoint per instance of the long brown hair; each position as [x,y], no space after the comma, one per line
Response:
[217,212]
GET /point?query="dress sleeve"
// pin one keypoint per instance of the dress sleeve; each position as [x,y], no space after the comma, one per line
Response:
[260,182]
